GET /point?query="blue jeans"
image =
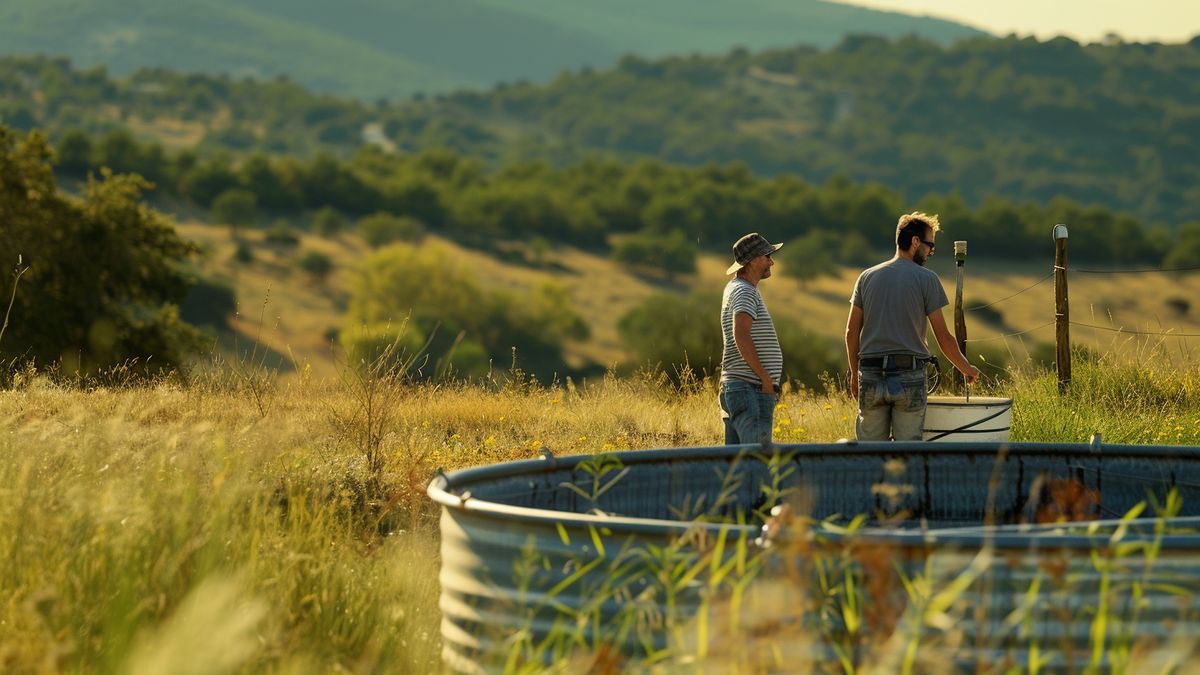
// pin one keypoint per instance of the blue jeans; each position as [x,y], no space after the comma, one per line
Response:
[891,405]
[748,413]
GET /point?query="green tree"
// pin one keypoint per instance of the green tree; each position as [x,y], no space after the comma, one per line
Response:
[269,185]
[236,208]
[811,256]
[1186,251]
[426,291]
[316,264]
[105,271]
[74,153]
[205,181]
[328,221]
[382,228]
[669,254]
[536,251]
[242,252]
[120,152]
[281,234]
[668,331]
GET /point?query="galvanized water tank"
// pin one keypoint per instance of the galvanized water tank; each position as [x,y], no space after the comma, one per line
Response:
[616,557]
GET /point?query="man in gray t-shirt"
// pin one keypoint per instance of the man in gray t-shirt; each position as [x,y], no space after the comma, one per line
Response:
[885,336]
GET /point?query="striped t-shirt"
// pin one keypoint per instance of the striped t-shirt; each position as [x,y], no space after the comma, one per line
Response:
[743,296]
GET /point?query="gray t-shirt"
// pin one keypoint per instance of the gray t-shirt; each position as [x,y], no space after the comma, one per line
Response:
[896,297]
[741,296]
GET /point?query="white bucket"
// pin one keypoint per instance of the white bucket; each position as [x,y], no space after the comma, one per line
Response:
[954,418]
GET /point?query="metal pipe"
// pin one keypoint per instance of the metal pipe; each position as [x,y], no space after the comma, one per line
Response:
[960,321]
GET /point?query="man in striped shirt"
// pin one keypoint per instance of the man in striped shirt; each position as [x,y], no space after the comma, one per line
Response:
[751,361]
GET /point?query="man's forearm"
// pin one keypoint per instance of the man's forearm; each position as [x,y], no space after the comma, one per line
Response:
[949,347]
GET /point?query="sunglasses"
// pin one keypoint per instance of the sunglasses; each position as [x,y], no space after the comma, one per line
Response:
[930,244]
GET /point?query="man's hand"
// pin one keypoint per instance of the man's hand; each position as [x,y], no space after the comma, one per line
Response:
[768,387]
[971,374]
[853,386]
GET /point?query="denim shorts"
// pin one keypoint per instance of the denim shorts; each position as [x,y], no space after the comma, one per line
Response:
[891,405]
[748,413]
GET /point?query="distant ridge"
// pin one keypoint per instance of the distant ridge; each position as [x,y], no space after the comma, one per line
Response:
[393,48]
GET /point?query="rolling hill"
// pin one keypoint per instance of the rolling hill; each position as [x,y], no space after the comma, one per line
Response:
[1115,124]
[287,320]
[394,48]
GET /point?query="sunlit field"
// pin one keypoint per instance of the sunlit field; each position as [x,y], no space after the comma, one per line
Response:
[252,314]
[294,316]
[234,523]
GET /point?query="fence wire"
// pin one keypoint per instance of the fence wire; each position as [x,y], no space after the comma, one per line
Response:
[1010,335]
[1049,276]
[976,308]
[1130,331]
[1139,270]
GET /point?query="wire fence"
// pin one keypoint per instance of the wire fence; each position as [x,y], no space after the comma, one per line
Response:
[1114,329]
[1141,270]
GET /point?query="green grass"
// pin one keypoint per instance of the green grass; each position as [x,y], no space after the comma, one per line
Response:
[145,528]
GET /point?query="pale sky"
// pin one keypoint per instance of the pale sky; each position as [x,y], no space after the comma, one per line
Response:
[1082,20]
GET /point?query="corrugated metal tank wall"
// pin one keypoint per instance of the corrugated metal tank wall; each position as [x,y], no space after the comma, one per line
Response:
[535,571]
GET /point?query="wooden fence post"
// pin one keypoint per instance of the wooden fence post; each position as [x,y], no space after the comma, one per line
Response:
[1062,313]
[960,322]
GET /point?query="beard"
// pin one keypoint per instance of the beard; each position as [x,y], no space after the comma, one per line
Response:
[919,257]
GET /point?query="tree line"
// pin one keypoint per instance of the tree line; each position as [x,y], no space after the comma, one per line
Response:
[644,212]
[1114,124]
[97,278]
[94,282]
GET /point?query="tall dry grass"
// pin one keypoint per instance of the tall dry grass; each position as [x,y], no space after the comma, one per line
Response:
[230,524]
[149,527]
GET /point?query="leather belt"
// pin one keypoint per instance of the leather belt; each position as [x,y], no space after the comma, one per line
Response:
[893,362]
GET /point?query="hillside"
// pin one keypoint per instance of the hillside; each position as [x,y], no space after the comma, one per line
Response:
[1111,124]
[675,27]
[291,319]
[378,48]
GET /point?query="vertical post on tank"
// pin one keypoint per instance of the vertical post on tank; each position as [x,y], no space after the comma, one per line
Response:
[1062,313]
[960,322]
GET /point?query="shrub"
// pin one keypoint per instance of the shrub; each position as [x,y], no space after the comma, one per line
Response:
[243,253]
[328,222]
[382,228]
[669,254]
[235,208]
[536,251]
[316,264]
[281,234]
[808,258]
[669,332]
[444,302]
[401,349]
